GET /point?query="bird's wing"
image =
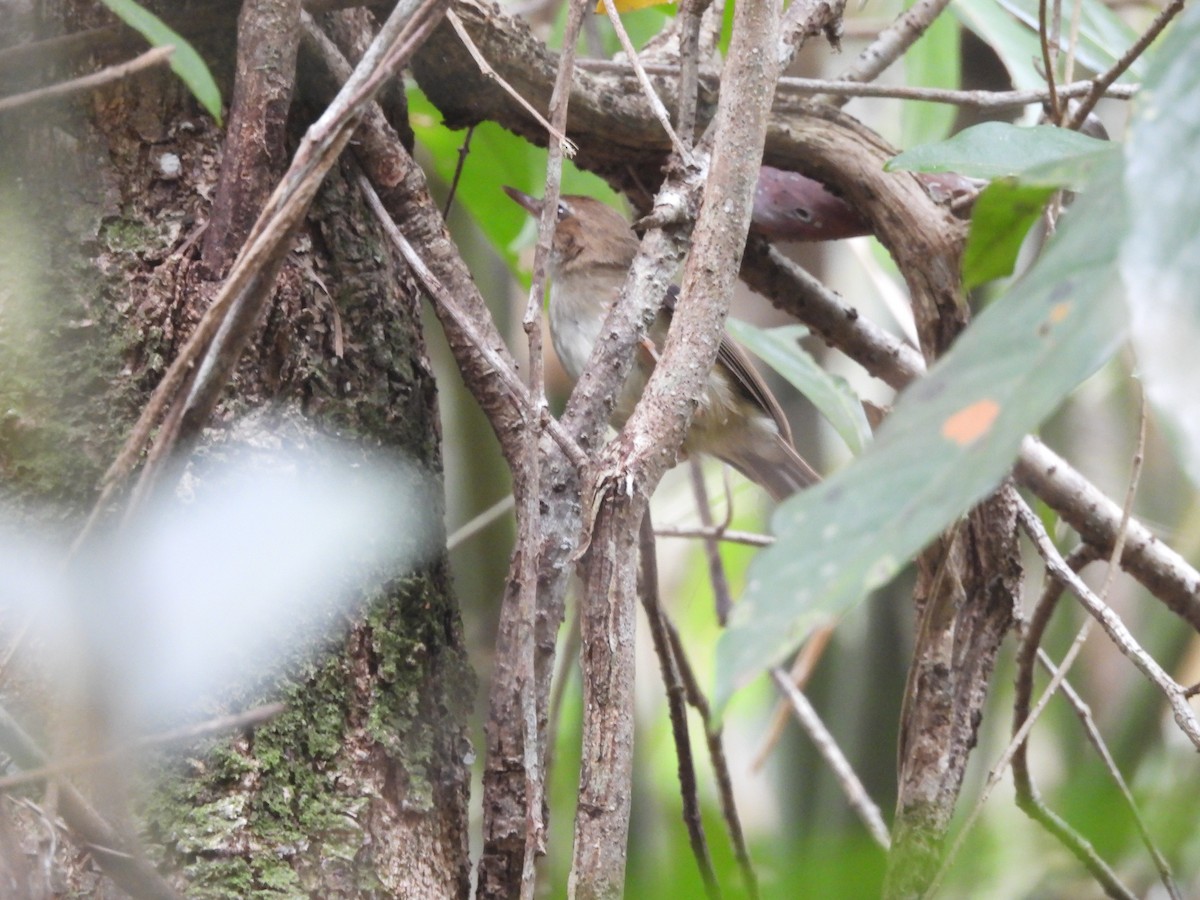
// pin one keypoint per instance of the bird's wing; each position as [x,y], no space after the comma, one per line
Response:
[745,375]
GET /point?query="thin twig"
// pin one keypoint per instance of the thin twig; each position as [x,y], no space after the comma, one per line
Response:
[528,474]
[984,100]
[716,755]
[688,23]
[282,214]
[106,843]
[1049,44]
[1101,83]
[860,801]
[469,529]
[1185,718]
[802,670]
[1084,714]
[568,146]
[435,289]
[1087,509]
[676,709]
[1073,39]
[458,169]
[750,538]
[722,596]
[1027,794]
[154,57]
[1001,764]
[656,104]
[1027,797]
[248,719]
[891,44]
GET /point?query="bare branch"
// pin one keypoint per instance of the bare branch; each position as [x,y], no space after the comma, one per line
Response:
[749,538]
[446,301]
[255,145]
[249,283]
[568,146]
[656,104]
[128,869]
[1095,516]
[716,755]
[790,87]
[1114,627]
[676,708]
[182,735]
[891,44]
[1101,83]
[148,60]
[851,786]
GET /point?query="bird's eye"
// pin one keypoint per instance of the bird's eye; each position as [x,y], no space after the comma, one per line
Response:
[563,210]
[799,212]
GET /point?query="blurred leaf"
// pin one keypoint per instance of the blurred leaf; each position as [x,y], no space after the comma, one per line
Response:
[832,396]
[271,550]
[1010,28]
[999,150]
[932,62]
[950,440]
[1071,172]
[1015,44]
[1160,254]
[185,61]
[1000,219]
[1103,37]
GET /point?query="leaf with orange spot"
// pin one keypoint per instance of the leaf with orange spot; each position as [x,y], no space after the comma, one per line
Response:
[970,423]
[943,448]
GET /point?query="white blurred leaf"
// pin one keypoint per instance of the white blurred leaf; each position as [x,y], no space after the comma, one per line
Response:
[262,563]
[1160,254]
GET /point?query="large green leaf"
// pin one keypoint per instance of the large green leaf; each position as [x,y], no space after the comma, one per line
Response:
[1000,150]
[185,61]
[932,62]
[1160,255]
[951,439]
[1030,164]
[832,396]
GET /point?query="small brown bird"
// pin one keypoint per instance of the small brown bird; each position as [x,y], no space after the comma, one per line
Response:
[737,420]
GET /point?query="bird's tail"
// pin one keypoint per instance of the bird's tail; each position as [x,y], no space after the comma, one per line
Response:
[776,466]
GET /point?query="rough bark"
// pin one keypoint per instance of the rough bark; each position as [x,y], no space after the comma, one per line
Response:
[359,789]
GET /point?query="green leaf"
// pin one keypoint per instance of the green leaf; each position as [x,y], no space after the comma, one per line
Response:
[185,61]
[1001,218]
[1015,44]
[1160,253]
[1103,37]
[496,157]
[832,396]
[1000,150]
[950,440]
[1010,28]
[932,62]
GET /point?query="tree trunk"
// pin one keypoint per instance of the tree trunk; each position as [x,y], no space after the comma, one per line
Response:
[358,789]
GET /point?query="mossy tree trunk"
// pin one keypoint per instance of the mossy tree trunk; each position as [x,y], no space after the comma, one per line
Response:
[359,789]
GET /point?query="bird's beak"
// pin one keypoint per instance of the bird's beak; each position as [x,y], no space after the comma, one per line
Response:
[532,204]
